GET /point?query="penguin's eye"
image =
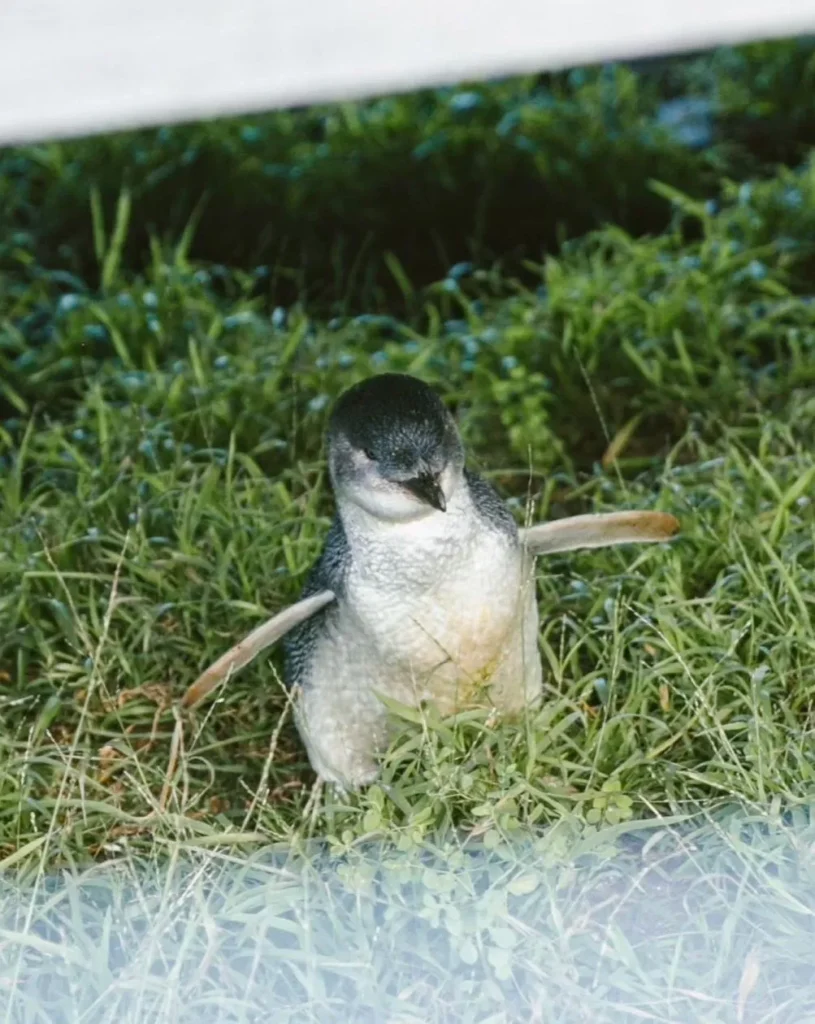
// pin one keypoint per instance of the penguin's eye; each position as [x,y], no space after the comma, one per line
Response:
[369,454]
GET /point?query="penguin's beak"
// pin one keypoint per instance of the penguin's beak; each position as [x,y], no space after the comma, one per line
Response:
[427,489]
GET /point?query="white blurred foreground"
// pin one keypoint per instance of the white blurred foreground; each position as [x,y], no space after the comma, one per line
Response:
[706,922]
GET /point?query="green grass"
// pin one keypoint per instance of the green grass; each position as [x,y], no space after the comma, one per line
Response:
[164,489]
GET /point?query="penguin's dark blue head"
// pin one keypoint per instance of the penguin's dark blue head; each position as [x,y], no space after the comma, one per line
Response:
[393,448]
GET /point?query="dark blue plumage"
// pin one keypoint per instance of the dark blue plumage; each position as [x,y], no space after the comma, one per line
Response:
[490,505]
[327,573]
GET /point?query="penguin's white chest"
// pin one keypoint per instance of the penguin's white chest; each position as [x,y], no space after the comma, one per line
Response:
[465,617]
[441,621]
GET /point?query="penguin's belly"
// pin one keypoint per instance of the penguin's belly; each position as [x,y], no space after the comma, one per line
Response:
[461,641]
[458,639]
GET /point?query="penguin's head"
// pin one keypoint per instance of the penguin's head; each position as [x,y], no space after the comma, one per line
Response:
[394,449]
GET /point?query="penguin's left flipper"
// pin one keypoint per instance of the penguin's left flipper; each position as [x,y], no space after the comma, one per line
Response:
[599,531]
[258,640]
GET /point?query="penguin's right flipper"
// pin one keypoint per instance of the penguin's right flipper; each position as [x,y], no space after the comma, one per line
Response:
[258,640]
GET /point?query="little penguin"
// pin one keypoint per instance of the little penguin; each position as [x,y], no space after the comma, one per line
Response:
[425,587]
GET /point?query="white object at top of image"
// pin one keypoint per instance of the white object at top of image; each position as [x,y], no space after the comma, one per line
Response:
[93,65]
